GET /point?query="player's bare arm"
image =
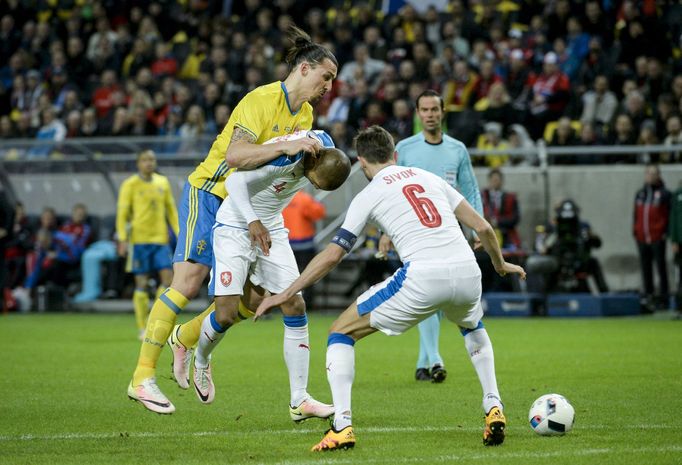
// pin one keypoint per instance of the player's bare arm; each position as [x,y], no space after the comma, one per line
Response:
[317,269]
[486,234]
[244,153]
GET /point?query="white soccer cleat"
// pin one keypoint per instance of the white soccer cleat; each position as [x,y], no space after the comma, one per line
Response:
[181,359]
[310,408]
[149,395]
[203,384]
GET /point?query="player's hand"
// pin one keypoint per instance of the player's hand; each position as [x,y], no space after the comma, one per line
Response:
[508,268]
[122,248]
[305,144]
[269,303]
[260,237]
[385,244]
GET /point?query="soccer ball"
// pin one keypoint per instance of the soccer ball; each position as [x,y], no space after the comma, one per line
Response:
[551,414]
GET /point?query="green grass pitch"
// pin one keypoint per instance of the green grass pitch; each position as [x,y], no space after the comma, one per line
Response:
[63,396]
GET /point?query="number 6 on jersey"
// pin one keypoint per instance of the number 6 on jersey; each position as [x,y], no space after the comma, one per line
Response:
[424,208]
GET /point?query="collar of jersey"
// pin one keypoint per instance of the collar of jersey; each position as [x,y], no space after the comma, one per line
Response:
[286,99]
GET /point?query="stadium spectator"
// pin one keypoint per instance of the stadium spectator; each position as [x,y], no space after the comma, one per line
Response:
[18,248]
[400,124]
[650,228]
[549,95]
[58,252]
[496,107]
[635,106]
[599,105]
[623,134]
[363,65]
[647,136]
[6,127]
[564,136]
[492,140]
[673,137]
[418,47]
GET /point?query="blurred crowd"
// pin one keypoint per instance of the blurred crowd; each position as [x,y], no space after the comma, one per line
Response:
[511,72]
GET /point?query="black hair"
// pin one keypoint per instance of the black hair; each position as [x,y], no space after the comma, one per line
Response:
[305,50]
[375,144]
[430,93]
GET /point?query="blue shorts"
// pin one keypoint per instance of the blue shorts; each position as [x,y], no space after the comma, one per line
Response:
[196,213]
[146,258]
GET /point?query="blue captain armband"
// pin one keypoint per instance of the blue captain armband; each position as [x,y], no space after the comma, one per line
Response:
[344,239]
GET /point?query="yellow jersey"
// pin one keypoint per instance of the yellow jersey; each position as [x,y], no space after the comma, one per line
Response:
[145,209]
[265,113]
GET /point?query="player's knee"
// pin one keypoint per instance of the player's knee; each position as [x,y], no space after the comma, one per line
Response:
[188,278]
[294,306]
[226,315]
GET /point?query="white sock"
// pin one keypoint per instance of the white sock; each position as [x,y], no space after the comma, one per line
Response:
[480,351]
[340,374]
[297,358]
[211,334]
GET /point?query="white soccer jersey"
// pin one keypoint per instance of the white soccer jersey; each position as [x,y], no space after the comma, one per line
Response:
[415,209]
[262,194]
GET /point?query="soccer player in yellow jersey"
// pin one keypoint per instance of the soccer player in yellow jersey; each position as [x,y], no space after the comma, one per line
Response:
[146,209]
[266,112]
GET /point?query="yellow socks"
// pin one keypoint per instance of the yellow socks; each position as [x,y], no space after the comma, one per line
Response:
[160,290]
[244,312]
[159,326]
[190,331]
[141,306]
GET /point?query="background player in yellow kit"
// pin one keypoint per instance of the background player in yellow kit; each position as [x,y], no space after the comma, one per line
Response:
[272,110]
[145,211]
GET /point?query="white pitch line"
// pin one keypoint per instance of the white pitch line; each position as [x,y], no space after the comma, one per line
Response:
[378,429]
[499,454]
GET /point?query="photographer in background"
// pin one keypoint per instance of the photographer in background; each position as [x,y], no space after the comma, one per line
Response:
[563,260]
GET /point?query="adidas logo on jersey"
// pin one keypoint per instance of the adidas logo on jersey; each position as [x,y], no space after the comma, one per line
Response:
[275,128]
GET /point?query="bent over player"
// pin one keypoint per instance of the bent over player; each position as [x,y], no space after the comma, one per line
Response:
[415,208]
[251,244]
[269,111]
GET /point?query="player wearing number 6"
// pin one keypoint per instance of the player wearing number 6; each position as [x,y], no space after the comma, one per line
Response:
[415,208]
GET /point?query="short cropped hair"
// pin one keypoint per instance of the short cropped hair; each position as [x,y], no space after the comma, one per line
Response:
[331,167]
[375,144]
[430,93]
